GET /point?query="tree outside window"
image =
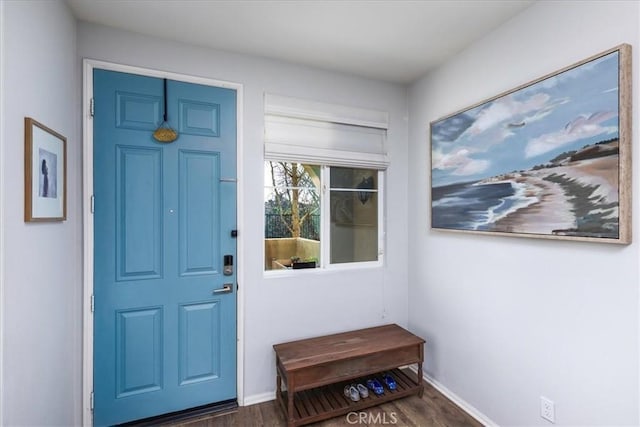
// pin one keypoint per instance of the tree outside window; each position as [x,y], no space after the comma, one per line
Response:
[292,215]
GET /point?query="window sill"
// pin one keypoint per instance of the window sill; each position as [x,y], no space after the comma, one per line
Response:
[334,268]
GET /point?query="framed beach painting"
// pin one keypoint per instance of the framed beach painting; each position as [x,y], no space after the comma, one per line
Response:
[549,159]
[45,173]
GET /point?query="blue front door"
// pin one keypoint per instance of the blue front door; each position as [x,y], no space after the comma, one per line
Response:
[164,324]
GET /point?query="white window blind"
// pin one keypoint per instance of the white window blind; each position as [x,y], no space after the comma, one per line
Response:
[298,130]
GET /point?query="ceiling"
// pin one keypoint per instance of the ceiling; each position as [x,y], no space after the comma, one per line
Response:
[396,41]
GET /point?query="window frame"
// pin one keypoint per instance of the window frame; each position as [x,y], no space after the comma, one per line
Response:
[324,264]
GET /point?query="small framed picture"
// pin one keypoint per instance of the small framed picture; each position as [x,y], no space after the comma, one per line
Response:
[45,173]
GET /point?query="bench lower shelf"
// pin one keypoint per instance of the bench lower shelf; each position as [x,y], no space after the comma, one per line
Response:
[329,401]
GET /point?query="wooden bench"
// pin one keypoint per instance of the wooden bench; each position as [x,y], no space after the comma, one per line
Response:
[315,371]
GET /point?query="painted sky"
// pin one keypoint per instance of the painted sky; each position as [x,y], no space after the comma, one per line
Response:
[530,126]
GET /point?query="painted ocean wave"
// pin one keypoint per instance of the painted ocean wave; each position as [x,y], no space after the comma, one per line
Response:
[477,205]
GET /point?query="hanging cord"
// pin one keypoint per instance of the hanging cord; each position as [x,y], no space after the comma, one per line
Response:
[164,97]
[165,133]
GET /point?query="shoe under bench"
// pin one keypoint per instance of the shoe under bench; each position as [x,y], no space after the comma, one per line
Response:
[311,373]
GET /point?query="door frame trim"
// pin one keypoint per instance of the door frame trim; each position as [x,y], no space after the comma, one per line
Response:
[88,66]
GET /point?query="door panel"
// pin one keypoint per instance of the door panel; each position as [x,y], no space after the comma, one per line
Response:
[199,342]
[138,111]
[138,351]
[200,219]
[139,201]
[199,118]
[164,341]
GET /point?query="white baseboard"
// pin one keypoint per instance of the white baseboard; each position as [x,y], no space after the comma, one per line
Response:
[464,405]
[259,398]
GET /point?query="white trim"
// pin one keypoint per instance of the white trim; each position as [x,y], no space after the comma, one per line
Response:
[87,226]
[254,399]
[460,402]
[325,215]
[637,312]
[2,204]
[87,125]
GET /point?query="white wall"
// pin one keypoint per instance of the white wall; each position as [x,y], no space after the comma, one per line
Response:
[2,49]
[284,308]
[510,319]
[506,320]
[41,277]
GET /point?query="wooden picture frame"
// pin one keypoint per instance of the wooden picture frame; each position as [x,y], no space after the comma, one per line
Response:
[45,173]
[549,159]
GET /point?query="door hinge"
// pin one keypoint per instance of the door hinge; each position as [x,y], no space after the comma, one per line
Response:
[91,107]
[93,204]
[91,401]
[93,304]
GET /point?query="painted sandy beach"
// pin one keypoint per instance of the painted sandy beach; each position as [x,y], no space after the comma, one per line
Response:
[543,160]
[578,198]
[576,194]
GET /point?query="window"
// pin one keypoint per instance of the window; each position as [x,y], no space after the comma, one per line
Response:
[353,198]
[323,179]
[292,215]
[320,216]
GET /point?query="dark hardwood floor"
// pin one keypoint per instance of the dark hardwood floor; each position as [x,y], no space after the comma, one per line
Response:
[433,409]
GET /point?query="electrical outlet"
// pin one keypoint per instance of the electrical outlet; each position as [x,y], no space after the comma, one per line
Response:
[547,409]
